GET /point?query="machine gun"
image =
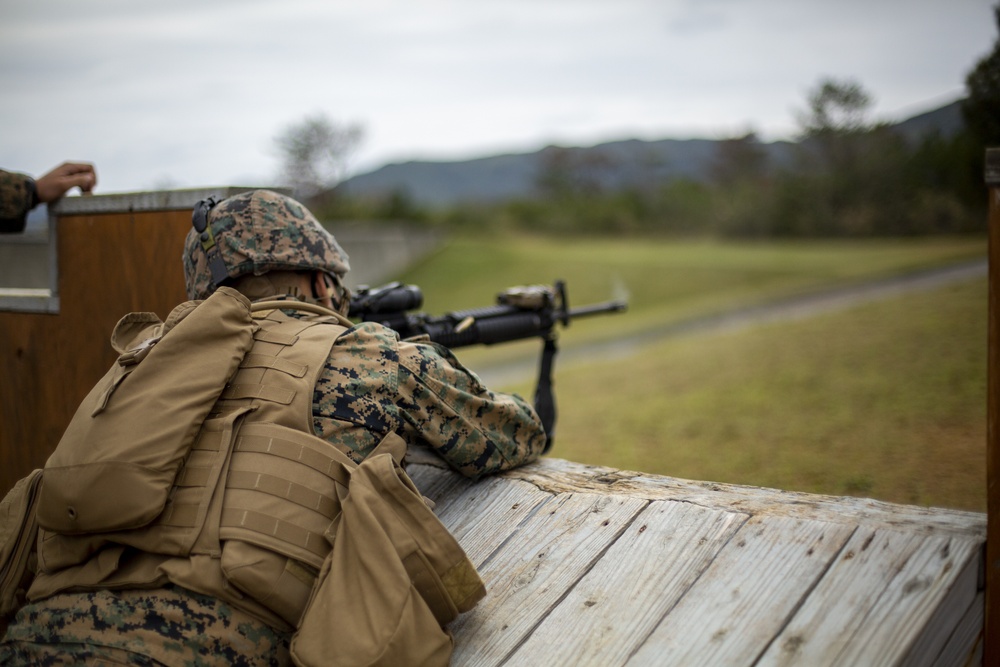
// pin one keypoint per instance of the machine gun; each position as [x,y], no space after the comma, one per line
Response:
[519,313]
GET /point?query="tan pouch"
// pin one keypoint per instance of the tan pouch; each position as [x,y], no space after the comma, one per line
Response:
[394,579]
[18,530]
[116,462]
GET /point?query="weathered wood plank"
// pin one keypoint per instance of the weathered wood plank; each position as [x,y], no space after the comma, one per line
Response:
[558,476]
[535,568]
[873,602]
[732,613]
[611,611]
[483,519]
[965,647]
[481,515]
[580,574]
[961,594]
[901,617]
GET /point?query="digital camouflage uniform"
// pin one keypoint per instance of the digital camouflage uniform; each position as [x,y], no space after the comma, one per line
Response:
[17,197]
[372,384]
[126,627]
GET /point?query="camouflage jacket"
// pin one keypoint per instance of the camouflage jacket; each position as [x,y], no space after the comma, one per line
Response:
[17,197]
[374,383]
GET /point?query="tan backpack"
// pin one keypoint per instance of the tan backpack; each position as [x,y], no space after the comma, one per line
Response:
[130,449]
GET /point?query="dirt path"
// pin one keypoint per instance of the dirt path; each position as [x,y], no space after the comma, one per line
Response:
[788,309]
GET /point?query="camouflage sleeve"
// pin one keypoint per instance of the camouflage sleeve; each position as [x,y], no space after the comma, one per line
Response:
[373,383]
[445,406]
[17,197]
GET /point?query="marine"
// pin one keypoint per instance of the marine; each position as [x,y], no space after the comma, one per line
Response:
[20,193]
[230,553]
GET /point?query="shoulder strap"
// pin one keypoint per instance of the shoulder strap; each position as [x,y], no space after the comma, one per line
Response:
[291,304]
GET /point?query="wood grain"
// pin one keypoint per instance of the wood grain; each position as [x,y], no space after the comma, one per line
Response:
[609,614]
[762,574]
[667,571]
[528,578]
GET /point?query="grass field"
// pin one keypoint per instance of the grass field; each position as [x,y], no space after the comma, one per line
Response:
[885,400]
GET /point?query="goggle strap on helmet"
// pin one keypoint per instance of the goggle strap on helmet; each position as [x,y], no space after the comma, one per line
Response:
[199,220]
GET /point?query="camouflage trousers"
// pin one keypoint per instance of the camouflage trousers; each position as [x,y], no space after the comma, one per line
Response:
[166,626]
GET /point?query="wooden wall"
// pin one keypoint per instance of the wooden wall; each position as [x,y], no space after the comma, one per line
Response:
[109,263]
[992,621]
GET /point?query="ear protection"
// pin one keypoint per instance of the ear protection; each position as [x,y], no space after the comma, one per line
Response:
[199,220]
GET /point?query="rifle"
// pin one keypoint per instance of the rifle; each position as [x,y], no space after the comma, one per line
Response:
[519,313]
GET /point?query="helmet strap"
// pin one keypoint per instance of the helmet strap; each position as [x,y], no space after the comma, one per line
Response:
[333,290]
[199,220]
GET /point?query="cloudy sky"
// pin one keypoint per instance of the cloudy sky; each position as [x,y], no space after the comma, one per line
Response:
[191,93]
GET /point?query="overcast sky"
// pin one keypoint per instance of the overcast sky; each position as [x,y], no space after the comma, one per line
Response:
[191,93]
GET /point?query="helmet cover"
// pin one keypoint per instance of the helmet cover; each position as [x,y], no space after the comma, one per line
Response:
[256,232]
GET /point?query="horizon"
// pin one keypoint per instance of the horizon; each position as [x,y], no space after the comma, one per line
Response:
[193,93]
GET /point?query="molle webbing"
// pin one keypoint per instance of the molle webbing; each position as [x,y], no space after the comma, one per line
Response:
[252,380]
[189,500]
[259,391]
[263,506]
[263,361]
[331,466]
[266,336]
[277,376]
[280,488]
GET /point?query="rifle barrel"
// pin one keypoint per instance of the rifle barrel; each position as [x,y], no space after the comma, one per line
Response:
[598,308]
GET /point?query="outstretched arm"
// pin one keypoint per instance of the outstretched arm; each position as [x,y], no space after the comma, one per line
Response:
[19,193]
[60,180]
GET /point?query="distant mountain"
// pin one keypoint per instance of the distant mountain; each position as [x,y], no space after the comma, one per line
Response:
[947,121]
[613,165]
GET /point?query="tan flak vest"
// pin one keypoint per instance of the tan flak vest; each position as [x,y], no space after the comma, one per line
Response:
[237,508]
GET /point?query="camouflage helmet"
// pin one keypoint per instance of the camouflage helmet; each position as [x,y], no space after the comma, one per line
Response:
[253,233]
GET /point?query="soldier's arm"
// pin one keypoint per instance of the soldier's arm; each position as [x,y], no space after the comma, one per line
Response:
[20,193]
[17,197]
[446,407]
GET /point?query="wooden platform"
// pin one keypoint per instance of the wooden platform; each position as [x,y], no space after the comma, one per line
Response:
[595,566]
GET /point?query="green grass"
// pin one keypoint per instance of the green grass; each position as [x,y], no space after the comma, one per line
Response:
[886,400]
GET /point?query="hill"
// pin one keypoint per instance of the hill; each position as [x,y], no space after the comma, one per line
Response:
[487,179]
[630,162]
[947,121]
